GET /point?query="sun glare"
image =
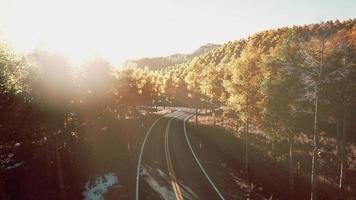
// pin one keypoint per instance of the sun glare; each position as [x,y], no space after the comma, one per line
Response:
[118,30]
[77,29]
[240,90]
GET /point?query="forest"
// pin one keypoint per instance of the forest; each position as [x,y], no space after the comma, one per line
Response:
[288,92]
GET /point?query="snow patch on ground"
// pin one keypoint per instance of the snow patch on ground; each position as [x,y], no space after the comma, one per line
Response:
[95,191]
[161,183]
[188,193]
[16,165]
[155,185]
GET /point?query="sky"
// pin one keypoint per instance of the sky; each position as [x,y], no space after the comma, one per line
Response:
[118,30]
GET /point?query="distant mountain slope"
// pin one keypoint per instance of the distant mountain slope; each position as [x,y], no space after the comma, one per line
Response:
[156,63]
[266,41]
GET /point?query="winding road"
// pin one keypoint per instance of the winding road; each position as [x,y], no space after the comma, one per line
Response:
[168,168]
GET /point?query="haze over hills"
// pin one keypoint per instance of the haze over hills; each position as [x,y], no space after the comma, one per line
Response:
[156,63]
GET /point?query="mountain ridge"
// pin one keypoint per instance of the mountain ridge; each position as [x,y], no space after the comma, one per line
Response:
[161,62]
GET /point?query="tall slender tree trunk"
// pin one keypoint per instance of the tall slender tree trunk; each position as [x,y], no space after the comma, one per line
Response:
[338,136]
[48,159]
[343,147]
[59,169]
[338,143]
[196,115]
[247,149]
[2,185]
[142,118]
[291,165]
[315,148]
[313,179]
[214,115]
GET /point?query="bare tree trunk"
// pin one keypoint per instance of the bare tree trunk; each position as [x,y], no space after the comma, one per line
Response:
[343,148]
[196,115]
[315,148]
[2,185]
[48,159]
[247,150]
[214,116]
[273,143]
[59,170]
[71,155]
[142,121]
[338,144]
[317,86]
[291,165]
[338,136]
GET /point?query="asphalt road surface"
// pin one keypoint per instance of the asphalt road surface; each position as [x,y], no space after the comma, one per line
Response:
[168,167]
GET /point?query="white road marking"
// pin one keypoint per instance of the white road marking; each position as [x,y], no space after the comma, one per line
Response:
[140,157]
[174,181]
[198,162]
[191,149]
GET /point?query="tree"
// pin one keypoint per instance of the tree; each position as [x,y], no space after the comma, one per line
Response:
[212,86]
[148,90]
[193,79]
[53,89]
[96,83]
[13,90]
[315,53]
[282,95]
[246,90]
[169,88]
[340,83]
[126,92]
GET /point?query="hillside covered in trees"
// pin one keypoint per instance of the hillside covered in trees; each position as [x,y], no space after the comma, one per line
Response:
[156,63]
[292,86]
[285,82]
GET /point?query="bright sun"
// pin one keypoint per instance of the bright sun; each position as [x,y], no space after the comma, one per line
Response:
[77,29]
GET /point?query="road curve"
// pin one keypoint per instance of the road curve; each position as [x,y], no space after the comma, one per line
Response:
[168,167]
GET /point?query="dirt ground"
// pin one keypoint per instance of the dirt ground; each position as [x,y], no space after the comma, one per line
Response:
[116,151]
[222,154]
